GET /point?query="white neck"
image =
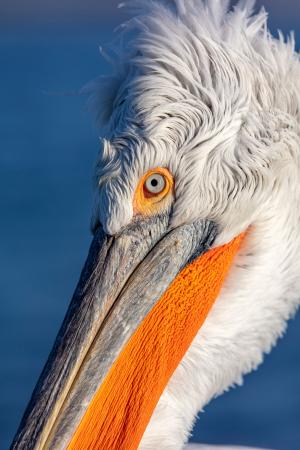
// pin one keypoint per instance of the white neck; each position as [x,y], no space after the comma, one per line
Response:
[260,294]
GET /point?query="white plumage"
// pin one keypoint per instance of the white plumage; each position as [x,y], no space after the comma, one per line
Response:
[209,93]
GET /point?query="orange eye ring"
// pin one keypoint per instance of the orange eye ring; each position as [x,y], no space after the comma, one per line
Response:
[153,191]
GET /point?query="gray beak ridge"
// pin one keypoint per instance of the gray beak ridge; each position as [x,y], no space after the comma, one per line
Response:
[123,278]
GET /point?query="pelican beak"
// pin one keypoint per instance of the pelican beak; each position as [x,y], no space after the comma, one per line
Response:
[124,278]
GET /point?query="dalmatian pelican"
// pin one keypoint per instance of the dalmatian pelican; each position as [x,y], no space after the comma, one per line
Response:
[194,266]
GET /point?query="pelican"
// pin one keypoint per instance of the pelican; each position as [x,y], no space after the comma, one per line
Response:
[193,270]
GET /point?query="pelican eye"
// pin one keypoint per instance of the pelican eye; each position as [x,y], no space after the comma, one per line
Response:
[155,184]
[154,192]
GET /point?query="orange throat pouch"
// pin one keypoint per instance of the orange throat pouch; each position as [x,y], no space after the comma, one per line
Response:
[120,411]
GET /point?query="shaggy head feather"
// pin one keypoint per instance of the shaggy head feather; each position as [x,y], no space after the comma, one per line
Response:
[207,92]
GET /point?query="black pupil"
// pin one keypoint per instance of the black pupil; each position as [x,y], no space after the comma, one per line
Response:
[154,182]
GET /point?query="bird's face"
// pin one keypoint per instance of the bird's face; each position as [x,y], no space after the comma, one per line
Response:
[185,181]
[217,154]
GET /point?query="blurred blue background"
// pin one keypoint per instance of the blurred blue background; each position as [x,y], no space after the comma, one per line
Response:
[47,148]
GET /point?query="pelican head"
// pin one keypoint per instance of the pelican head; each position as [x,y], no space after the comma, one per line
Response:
[192,271]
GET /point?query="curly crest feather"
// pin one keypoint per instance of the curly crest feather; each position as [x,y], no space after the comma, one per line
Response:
[206,91]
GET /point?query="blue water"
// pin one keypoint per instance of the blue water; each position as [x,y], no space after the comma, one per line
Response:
[48,145]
